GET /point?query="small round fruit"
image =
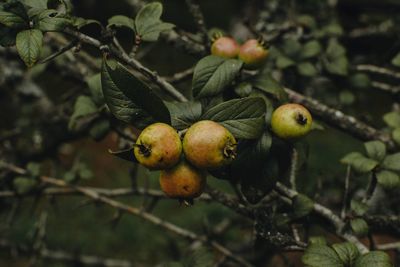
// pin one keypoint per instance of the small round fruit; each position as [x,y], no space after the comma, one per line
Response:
[291,121]
[225,47]
[158,147]
[253,53]
[209,145]
[182,181]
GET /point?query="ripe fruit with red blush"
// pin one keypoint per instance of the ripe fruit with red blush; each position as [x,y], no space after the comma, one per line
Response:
[253,53]
[209,145]
[158,147]
[225,47]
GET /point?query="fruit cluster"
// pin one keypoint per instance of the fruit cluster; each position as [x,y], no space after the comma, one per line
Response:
[206,145]
[253,52]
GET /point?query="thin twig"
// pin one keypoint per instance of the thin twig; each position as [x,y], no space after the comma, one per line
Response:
[180,76]
[195,10]
[377,69]
[389,246]
[346,192]
[61,51]
[293,169]
[373,181]
[386,87]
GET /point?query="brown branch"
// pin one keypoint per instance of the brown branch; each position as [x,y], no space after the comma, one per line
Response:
[386,87]
[377,69]
[117,192]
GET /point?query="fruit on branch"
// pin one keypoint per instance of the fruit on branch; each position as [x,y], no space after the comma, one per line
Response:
[183,181]
[253,53]
[291,121]
[158,147]
[225,47]
[209,145]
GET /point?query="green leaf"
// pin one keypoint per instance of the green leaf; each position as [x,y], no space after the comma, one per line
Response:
[336,61]
[291,48]
[283,62]
[51,20]
[83,107]
[346,97]
[244,117]
[359,227]
[94,84]
[347,252]
[24,185]
[307,69]
[358,207]
[39,4]
[213,74]
[388,179]
[360,80]
[375,149]
[121,21]
[243,89]
[148,24]
[338,66]
[302,205]
[374,259]
[78,22]
[359,162]
[396,60]
[33,168]
[29,45]
[11,20]
[396,135]
[129,99]
[318,240]
[184,114]
[392,119]
[318,256]
[311,49]
[267,84]
[392,162]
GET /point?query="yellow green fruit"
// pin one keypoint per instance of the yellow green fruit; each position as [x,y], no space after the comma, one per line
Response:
[182,181]
[158,147]
[209,145]
[291,121]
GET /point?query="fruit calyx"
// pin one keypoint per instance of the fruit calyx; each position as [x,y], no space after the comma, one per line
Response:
[301,119]
[144,150]
[230,151]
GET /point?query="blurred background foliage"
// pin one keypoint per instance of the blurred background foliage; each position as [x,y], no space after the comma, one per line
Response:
[82,227]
